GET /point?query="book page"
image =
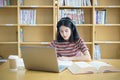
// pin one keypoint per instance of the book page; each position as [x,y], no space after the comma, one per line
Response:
[65,63]
[82,68]
[91,67]
[104,67]
[98,64]
[83,64]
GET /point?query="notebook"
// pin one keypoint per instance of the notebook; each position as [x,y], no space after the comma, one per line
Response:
[41,58]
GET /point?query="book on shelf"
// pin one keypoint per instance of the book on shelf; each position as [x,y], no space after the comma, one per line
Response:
[4,3]
[97,52]
[95,2]
[75,3]
[88,3]
[1,3]
[28,16]
[21,35]
[21,2]
[91,67]
[77,15]
[100,16]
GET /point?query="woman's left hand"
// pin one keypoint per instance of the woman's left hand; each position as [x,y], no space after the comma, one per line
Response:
[64,58]
[68,58]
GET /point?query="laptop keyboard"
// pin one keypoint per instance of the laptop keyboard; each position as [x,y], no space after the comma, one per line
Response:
[61,67]
[64,64]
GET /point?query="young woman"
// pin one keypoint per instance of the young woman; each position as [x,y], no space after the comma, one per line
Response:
[68,44]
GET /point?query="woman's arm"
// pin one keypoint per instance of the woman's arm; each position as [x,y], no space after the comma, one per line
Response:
[83,57]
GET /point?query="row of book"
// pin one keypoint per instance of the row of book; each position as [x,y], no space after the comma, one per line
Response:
[100,16]
[77,15]
[28,16]
[61,2]
[9,2]
[75,3]
[4,3]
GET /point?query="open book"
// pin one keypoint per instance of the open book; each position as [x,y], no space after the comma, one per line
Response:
[91,67]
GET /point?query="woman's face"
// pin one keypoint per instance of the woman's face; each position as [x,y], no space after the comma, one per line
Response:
[65,32]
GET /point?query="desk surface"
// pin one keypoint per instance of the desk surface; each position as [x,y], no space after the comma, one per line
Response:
[7,74]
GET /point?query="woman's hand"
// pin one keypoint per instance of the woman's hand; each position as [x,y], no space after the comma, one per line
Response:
[82,57]
[69,58]
[65,58]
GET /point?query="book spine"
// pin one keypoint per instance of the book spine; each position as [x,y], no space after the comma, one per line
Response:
[21,2]
[21,16]
[21,35]
[96,13]
[97,52]
[95,2]
[34,17]
[8,2]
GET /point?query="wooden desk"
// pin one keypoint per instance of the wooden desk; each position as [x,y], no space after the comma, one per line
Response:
[6,74]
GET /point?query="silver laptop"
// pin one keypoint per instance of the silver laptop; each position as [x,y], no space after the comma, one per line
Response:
[41,58]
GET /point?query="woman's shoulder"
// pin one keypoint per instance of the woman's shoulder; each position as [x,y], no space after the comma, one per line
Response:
[80,39]
[54,41]
[52,44]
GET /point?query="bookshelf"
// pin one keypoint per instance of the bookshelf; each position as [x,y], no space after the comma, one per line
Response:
[14,34]
[108,35]
[8,29]
[16,30]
